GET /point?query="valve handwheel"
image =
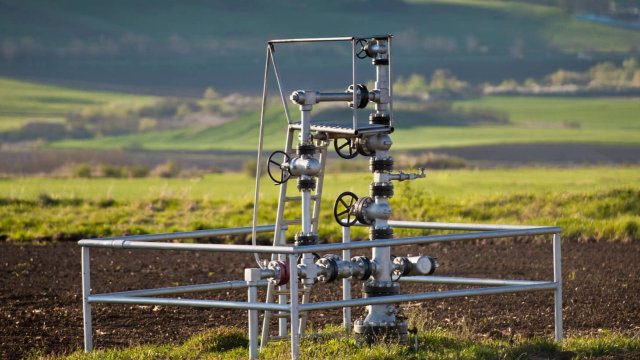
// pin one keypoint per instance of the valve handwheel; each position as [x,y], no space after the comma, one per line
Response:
[361,48]
[276,171]
[343,209]
[351,150]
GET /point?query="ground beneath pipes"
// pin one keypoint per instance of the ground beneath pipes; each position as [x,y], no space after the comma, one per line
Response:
[40,301]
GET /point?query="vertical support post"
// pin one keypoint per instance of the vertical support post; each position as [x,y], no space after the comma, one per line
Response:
[557,278]
[353,82]
[293,298]
[252,294]
[346,283]
[86,306]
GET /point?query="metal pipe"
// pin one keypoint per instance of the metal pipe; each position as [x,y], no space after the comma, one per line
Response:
[340,96]
[239,305]
[227,285]
[293,308]
[306,211]
[124,244]
[353,82]
[86,306]
[428,296]
[188,234]
[256,195]
[346,283]
[285,104]
[252,295]
[425,239]
[299,40]
[456,226]
[467,281]
[557,277]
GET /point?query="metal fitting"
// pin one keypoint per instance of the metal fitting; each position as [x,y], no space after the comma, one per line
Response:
[280,272]
[362,268]
[414,265]
[304,165]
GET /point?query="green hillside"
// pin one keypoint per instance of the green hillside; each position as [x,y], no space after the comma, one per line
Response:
[182,46]
[532,119]
[22,102]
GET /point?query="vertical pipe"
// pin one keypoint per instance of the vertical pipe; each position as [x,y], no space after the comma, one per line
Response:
[282,298]
[86,307]
[306,212]
[252,294]
[557,278]
[305,123]
[293,296]
[346,283]
[260,143]
[353,82]
[389,80]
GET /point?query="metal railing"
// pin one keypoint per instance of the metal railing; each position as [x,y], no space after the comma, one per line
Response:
[252,305]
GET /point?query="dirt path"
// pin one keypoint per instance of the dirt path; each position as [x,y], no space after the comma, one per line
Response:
[40,293]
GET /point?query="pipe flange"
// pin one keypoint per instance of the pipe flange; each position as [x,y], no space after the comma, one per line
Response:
[364,266]
[383,62]
[305,239]
[377,288]
[381,164]
[330,263]
[306,184]
[384,233]
[379,119]
[381,189]
[386,332]
[306,149]
[362,96]
[281,270]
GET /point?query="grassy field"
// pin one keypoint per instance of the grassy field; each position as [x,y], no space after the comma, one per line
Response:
[596,203]
[533,120]
[230,343]
[22,101]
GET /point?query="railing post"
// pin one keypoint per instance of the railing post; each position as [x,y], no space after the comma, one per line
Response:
[346,283]
[557,278]
[252,276]
[86,306]
[293,298]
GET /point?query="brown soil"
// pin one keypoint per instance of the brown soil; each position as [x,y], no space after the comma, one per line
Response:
[40,305]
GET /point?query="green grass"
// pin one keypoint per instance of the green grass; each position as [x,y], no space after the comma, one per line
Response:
[533,120]
[231,343]
[22,101]
[598,203]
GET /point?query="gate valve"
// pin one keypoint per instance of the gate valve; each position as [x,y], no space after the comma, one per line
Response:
[346,148]
[349,209]
[281,167]
[401,176]
[414,265]
[368,145]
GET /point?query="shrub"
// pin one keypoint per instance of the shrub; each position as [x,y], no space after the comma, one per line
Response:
[82,171]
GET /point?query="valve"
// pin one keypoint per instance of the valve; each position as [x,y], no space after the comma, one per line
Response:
[351,150]
[361,48]
[277,170]
[348,209]
[343,209]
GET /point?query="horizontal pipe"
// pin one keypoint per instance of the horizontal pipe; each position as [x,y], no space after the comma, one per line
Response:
[237,284]
[427,296]
[299,40]
[455,226]
[190,234]
[125,244]
[467,281]
[325,97]
[426,239]
[241,305]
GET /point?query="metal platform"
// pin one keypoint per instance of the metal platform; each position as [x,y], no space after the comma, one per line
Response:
[345,129]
